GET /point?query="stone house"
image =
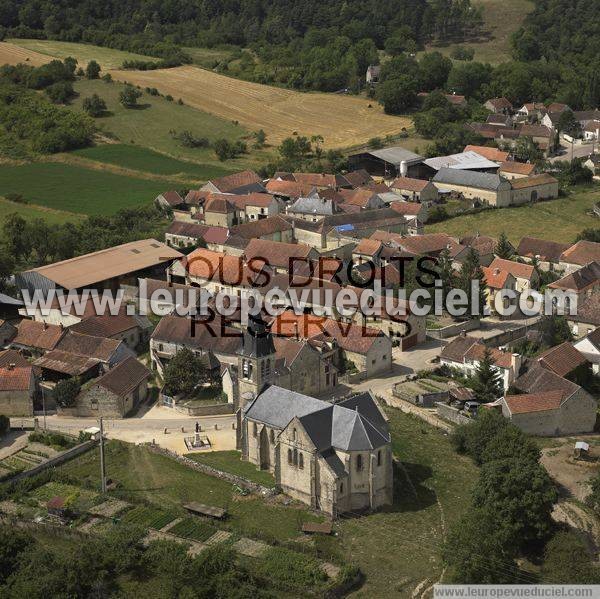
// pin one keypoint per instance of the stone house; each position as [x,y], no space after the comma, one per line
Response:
[240,183]
[465,353]
[313,208]
[34,338]
[587,318]
[415,190]
[525,275]
[336,458]
[581,283]
[116,393]
[547,253]
[17,384]
[497,280]
[499,105]
[579,254]
[169,200]
[516,170]
[185,234]
[549,405]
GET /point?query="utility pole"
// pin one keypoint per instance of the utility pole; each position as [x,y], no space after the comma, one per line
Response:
[102,465]
[43,405]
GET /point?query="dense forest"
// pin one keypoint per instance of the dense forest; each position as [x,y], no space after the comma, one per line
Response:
[310,44]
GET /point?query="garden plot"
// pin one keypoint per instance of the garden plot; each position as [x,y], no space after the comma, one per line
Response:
[109,508]
[148,517]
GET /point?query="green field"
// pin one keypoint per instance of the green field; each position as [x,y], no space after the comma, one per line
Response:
[106,57]
[558,220]
[30,212]
[76,189]
[501,19]
[142,159]
[229,461]
[206,57]
[150,125]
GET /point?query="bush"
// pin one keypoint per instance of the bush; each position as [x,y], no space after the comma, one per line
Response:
[288,570]
[95,106]
[66,392]
[129,96]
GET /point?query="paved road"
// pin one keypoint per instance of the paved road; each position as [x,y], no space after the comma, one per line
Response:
[579,151]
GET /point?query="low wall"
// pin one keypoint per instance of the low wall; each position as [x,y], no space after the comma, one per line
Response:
[454,329]
[354,377]
[208,410]
[234,479]
[508,336]
[451,414]
[57,460]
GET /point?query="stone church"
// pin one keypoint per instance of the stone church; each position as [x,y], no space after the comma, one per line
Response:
[336,458]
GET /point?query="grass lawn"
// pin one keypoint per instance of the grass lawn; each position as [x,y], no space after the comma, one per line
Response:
[150,125]
[77,189]
[230,461]
[108,58]
[501,19]
[142,159]
[559,220]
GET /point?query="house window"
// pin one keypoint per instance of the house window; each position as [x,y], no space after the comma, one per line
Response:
[94,404]
[160,347]
[341,488]
[272,436]
[254,429]
[372,361]
[379,458]
[294,434]
[247,369]
[359,463]
[289,456]
[295,457]
[301,461]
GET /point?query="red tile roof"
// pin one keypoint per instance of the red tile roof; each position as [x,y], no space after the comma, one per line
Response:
[291,189]
[582,253]
[409,184]
[276,253]
[38,335]
[493,154]
[407,208]
[124,377]
[562,359]
[545,250]
[495,278]
[534,402]
[518,168]
[17,378]
[368,247]
[516,269]
[586,277]
[236,180]
[533,181]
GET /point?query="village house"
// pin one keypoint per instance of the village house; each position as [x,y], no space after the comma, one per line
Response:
[497,280]
[499,119]
[465,354]
[367,250]
[185,234]
[547,253]
[320,181]
[583,282]
[279,256]
[364,199]
[114,268]
[313,208]
[591,131]
[132,330]
[589,347]
[563,359]
[333,457]
[415,190]
[240,183]
[483,245]
[34,338]
[493,154]
[289,191]
[549,405]
[525,275]
[516,170]
[579,254]
[593,163]
[116,393]
[169,200]
[359,178]
[587,316]
[499,105]
[83,356]
[206,339]
[389,163]
[17,384]
[367,348]
[415,213]
[532,110]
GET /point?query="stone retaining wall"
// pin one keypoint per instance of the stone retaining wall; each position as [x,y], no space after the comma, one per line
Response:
[234,479]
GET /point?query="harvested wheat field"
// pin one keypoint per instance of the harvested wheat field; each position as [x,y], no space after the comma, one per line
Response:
[11,54]
[342,120]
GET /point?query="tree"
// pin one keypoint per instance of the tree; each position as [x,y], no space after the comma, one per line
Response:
[554,330]
[504,248]
[184,372]
[92,70]
[473,438]
[397,95]
[434,69]
[567,561]
[487,382]
[477,554]
[471,272]
[66,392]
[519,494]
[446,272]
[567,123]
[129,96]
[94,105]
[260,137]
[13,542]
[469,78]
[510,442]
[60,92]
[527,150]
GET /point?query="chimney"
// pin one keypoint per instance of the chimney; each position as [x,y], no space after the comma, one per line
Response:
[11,366]
[515,364]
[296,335]
[496,271]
